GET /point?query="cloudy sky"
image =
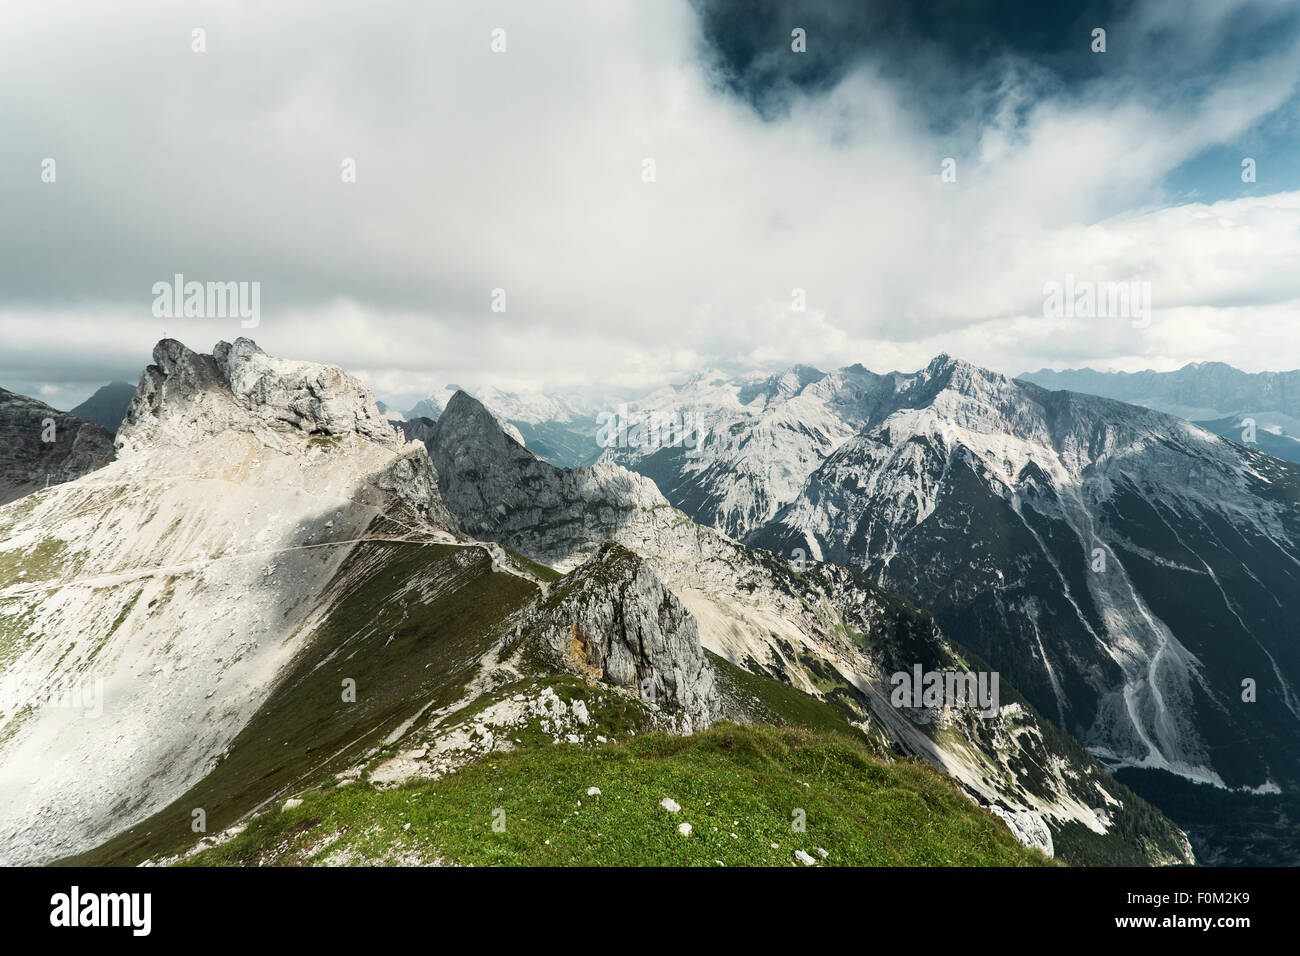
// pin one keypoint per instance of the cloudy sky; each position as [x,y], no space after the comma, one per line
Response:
[526,170]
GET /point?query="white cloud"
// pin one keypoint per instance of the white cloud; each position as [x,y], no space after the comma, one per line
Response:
[523,171]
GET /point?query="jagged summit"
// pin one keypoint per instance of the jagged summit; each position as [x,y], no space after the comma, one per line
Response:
[464,412]
[945,372]
[186,396]
[469,416]
[497,488]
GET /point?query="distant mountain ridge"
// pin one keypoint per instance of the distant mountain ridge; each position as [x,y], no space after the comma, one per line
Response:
[759,438]
[1215,395]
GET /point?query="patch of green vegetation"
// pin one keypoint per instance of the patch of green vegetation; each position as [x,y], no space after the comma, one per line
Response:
[127,607]
[759,699]
[541,571]
[40,562]
[14,512]
[864,641]
[754,782]
[16,633]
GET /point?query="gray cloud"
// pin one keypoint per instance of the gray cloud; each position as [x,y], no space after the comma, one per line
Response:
[523,170]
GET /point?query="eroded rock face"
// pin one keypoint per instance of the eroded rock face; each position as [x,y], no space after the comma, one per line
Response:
[611,618]
[1028,826]
[318,399]
[186,396]
[28,461]
[182,579]
[501,491]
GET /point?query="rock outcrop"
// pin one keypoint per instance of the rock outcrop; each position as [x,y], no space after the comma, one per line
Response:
[40,446]
[1028,827]
[501,491]
[612,619]
[185,396]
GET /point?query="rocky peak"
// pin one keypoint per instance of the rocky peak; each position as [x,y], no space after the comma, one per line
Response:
[186,396]
[611,618]
[945,373]
[467,416]
[500,490]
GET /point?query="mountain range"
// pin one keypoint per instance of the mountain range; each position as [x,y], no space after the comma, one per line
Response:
[1129,574]
[1132,573]
[1262,408]
[825,631]
[272,594]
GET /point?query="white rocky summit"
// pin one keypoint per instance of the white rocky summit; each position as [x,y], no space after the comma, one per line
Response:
[182,579]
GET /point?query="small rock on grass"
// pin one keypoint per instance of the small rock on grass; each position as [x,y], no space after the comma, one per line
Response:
[669,804]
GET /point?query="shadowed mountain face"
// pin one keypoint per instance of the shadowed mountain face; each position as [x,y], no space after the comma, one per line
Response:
[40,446]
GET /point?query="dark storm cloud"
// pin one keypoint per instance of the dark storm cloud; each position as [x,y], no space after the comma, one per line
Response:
[952,56]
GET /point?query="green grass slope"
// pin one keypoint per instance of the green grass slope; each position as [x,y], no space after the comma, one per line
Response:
[741,789]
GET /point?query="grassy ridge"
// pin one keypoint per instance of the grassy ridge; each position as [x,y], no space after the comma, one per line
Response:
[732,779]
